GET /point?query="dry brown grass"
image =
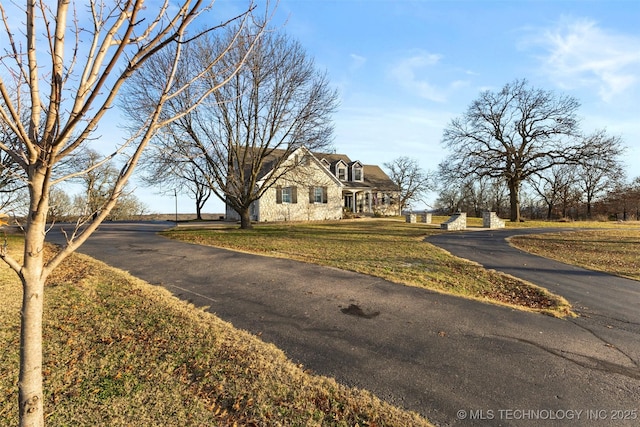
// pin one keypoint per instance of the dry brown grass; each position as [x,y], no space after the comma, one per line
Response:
[120,352]
[391,249]
[614,251]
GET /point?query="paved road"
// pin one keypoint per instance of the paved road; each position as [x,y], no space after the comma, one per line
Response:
[600,297]
[448,358]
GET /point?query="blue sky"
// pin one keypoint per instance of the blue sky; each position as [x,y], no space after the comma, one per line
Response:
[405,68]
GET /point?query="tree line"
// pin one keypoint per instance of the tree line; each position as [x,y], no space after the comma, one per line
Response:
[93,188]
[561,198]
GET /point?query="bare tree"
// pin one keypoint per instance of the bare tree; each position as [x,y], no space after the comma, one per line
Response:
[53,96]
[413,182]
[175,175]
[12,178]
[513,134]
[450,198]
[97,182]
[469,195]
[622,202]
[277,103]
[60,207]
[553,185]
[598,174]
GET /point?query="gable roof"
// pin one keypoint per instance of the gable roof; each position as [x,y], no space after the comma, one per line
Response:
[376,177]
[274,158]
[333,158]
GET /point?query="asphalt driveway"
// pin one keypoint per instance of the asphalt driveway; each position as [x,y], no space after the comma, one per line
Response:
[456,361]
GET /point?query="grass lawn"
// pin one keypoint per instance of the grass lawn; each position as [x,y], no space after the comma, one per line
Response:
[120,352]
[387,248]
[615,251]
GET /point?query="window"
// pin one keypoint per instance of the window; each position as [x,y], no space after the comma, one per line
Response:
[357,174]
[318,195]
[342,174]
[286,195]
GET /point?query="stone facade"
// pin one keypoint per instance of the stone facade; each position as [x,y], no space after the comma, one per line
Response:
[307,193]
[302,209]
[457,221]
[491,220]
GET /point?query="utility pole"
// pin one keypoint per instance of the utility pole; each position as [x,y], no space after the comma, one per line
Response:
[175,194]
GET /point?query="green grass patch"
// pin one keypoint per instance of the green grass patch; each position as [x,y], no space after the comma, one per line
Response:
[121,352]
[614,251]
[388,248]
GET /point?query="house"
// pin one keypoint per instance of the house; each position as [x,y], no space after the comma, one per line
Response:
[366,188]
[321,186]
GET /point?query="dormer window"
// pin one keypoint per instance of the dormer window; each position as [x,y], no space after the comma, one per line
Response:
[357,174]
[342,173]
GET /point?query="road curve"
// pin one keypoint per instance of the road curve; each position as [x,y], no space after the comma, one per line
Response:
[592,294]
[456,361]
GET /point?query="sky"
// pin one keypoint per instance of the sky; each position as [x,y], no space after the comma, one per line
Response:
[405,68]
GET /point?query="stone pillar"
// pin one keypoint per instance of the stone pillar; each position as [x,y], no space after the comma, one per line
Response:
[457,221]
[491,220]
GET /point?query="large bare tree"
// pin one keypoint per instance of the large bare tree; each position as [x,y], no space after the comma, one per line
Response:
[277,103]
[77,57]
[513,134]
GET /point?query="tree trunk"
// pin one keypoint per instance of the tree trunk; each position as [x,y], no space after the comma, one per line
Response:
[245,219]
[198,210]
[514,199]
[30,391]
[30,395]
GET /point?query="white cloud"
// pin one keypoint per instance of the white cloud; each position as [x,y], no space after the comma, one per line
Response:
[357,62]
[579,53]
[406,71]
